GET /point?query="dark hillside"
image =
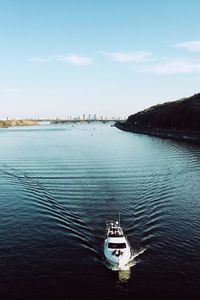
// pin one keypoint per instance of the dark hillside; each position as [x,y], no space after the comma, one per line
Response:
[179,120]
[183,114]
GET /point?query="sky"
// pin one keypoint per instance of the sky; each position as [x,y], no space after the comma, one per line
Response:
[108,57]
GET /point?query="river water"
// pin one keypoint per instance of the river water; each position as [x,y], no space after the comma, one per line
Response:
[60,184]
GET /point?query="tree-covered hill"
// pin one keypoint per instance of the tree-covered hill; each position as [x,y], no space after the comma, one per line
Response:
[183,114]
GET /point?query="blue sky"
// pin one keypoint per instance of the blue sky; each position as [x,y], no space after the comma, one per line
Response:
[109,57]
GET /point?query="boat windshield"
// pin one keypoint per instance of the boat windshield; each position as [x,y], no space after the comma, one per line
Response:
[115,234]
[116,245]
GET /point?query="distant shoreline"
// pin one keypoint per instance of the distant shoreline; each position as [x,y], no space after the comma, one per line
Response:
[14,123]
[190,136]
[81,121]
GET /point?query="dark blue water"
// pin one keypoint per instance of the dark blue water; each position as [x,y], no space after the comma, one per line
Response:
[58,187]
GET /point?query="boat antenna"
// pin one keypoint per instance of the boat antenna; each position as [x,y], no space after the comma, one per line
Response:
[119,218]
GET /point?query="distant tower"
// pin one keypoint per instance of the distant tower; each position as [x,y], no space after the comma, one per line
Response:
[89,117]
[95,116]
[83,117]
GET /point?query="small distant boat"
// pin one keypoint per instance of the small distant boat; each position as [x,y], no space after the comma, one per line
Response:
[116,247]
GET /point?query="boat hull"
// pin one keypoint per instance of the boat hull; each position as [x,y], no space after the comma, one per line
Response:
[119,264]
[115,260]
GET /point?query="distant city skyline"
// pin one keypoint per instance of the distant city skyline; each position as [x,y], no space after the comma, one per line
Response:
[84,117]
[111,58]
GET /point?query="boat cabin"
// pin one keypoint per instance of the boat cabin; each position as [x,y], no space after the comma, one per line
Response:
[115,230]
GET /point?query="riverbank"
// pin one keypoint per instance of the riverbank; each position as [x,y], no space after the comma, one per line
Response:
[13,123]
[180,135]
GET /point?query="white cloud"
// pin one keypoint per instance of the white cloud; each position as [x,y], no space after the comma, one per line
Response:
[123,57]
[77,60]
[71,58]
[192,46]
[174,67]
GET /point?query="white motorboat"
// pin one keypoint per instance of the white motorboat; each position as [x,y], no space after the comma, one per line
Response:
[116,247]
